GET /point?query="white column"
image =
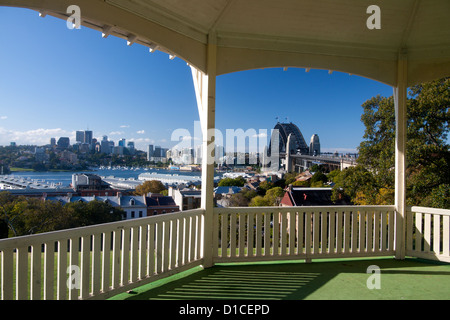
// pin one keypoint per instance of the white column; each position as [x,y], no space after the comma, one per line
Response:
[400,97]
[205,88]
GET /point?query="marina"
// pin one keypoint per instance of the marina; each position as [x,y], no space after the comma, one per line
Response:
[18,182]
[118,177]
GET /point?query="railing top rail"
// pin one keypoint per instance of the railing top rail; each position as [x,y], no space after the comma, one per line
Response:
[11,243]
[303,209]
[444,212]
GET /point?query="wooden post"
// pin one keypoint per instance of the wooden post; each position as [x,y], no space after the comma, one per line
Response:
[205,87]
[400,97]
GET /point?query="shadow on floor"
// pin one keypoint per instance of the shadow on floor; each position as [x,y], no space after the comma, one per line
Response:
[344,279]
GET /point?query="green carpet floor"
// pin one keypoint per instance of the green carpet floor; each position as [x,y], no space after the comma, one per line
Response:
[409,279]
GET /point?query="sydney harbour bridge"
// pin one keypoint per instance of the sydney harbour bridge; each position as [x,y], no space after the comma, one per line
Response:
[288,150]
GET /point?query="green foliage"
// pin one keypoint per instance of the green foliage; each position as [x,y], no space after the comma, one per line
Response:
[259,201]
[306,183]
[150,186]
[83,214]
[230,182]
[274,196]
[333,175]
[438,198]
[289,178]
[318,168]
[264,186]
[238,200]
[249,194]
[26,216]
[351,181]
[428,152]
[319,177]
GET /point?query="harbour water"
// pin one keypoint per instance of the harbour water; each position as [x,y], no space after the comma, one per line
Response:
[64,179]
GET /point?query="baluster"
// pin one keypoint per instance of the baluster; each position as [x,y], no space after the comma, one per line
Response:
[35,281]
[61,293]
[7,274]
[49,270]
[437,234]
[106,257]
[85,265]
[362,231]
[22,273]
[292,232]
[96,264]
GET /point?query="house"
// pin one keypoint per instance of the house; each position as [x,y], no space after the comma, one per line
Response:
[88,181]
[160,204]
[304,176]
[222,195]
[134,206]
[186,199]
[300,196]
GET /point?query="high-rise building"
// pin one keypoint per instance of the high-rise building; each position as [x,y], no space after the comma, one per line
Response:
[88,136]
[157,151]
[150,152]
[104,145]
[122,143]
[63,142]
[131,148]
[83,136]
[79,136]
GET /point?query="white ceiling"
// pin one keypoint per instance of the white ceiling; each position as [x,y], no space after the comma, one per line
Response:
[324,34]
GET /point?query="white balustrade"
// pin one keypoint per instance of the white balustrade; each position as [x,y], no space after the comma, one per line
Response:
[108,259]
[281,233]
[428,233]
[104,259]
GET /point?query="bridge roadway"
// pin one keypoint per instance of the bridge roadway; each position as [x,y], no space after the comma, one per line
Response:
[307,161]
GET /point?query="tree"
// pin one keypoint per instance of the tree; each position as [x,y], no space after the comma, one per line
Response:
[300,183]
[333,174]
[81,214]
[354,183]
[238,200]
[427,156]
[249,194]
[40,216]
[274,196]
[318,179]
[264,186]
[230,182]
[259,201]
[289,178]
[10,209]
[150,186]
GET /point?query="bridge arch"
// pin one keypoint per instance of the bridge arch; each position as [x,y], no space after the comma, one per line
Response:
[281,133]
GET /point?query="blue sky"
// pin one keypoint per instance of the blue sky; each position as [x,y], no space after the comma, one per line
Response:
[54,81]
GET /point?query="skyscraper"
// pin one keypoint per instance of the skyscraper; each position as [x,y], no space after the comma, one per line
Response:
[105,147]
[88,136]
[63,142]
[150,152]
[79,136]
[157,151]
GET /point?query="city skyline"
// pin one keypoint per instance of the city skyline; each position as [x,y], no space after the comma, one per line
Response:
[56,81]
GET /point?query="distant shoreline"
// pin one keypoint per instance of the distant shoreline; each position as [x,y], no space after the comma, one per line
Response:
[51,170]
